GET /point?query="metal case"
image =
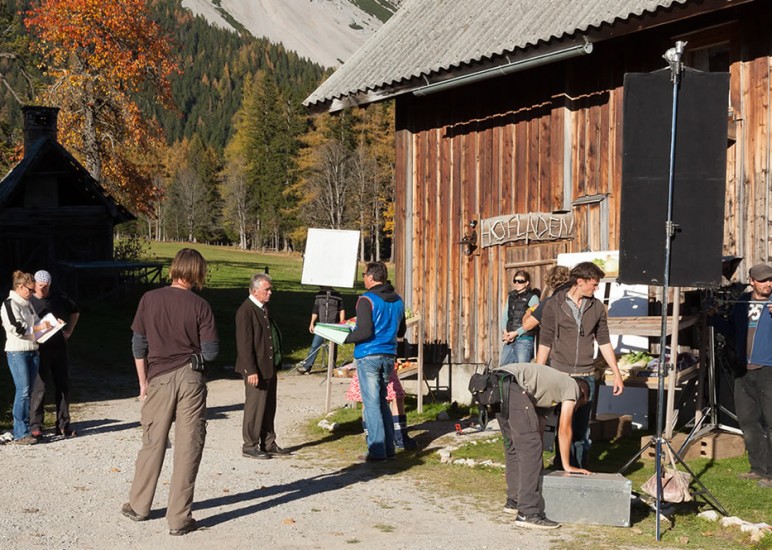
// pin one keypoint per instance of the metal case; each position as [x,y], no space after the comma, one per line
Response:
[601,499]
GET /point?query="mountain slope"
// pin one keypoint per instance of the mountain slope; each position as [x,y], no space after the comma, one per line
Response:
[324,31]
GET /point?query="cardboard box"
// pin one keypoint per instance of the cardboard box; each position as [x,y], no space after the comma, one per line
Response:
[615,425]
[714,445]
[600,499]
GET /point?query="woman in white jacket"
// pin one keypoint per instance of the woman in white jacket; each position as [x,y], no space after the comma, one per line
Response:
[21,323]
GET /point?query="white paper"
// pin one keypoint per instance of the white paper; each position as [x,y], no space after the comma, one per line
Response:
[42,336]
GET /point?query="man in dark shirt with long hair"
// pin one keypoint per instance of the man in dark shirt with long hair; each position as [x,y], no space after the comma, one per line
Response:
[174,333]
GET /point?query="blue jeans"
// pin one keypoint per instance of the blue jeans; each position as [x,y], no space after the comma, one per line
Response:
[373,372]
[518,351]
[316,345]
[580,447]
[24,370]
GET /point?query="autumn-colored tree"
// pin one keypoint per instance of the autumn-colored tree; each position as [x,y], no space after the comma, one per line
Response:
[102,55]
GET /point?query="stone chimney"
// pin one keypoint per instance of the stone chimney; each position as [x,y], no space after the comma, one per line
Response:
[39,123]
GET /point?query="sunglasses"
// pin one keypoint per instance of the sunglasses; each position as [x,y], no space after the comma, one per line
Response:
[31,289]
[520,281]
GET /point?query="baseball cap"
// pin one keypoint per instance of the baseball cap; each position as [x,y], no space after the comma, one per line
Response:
[761,272]
[43,276]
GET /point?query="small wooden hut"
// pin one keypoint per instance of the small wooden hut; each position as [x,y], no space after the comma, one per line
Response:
[51,210]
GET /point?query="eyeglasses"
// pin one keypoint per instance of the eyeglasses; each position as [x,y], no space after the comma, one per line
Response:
[32,289]
[520,281]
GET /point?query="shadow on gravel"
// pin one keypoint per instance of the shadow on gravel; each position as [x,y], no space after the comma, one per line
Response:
[258,500]
[102,425]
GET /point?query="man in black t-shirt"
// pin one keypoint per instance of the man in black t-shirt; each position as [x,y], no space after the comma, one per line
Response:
[54,362]
[328,308]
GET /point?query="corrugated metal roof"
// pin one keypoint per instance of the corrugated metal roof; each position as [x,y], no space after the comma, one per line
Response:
[427,36]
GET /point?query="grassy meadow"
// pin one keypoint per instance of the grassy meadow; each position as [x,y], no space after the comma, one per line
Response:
[100,348]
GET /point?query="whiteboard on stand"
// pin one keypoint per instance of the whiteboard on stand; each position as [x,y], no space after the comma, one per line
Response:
[330,258]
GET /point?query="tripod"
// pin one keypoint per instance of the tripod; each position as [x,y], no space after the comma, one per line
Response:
[673,57]
[709,419]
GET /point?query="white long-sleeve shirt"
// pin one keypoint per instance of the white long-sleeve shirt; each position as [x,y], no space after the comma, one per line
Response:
[18,325]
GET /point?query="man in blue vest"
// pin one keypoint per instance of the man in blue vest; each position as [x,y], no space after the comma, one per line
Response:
[380,321]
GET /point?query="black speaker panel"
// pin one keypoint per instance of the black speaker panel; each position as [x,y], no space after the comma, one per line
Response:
[699,182]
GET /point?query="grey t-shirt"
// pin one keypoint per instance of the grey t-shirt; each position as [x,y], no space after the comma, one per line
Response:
[548,387]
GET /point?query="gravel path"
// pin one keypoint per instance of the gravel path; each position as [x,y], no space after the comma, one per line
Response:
[67,493]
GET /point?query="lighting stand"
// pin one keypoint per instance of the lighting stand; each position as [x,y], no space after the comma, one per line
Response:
[673,57]
[709,419]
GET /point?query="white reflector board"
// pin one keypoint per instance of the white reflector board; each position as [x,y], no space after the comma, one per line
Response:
[330,258]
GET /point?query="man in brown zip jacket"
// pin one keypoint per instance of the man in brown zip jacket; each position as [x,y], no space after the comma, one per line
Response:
[573,321]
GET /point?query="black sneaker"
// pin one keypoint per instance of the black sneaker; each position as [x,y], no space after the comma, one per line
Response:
[369,458]
[536,521]
[510,507]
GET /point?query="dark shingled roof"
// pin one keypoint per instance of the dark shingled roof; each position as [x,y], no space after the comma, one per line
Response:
[41,151]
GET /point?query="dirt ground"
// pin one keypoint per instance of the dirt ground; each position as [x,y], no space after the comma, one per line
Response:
[67,493]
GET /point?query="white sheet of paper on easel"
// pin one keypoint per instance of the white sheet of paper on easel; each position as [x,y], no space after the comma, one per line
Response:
[330,258]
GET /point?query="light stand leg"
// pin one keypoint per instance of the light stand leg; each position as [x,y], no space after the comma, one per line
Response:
[638,455]
[707,495]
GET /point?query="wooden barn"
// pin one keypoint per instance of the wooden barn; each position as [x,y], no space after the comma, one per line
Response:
[510,113]
[52,212]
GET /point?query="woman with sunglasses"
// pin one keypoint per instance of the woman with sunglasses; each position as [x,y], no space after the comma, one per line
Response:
[21,348]
[518,342]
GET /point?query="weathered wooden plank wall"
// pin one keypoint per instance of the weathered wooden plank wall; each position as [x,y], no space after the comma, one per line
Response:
[536,142]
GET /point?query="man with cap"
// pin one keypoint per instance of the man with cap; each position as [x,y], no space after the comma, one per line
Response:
[54,362]
[752,327]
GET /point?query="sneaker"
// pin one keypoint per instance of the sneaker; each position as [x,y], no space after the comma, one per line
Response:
[302,369]
[753,476]
[37,434]
[510,507]
[536,521]
[26,440]
[368,458]
[766,482]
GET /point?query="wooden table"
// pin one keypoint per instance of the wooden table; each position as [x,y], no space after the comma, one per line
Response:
[651,326]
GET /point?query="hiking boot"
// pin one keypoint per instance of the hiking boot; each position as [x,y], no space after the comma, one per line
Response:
[510,507]
[129,512]
[190,527]
[536,521]
[26,440]
[753,476]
